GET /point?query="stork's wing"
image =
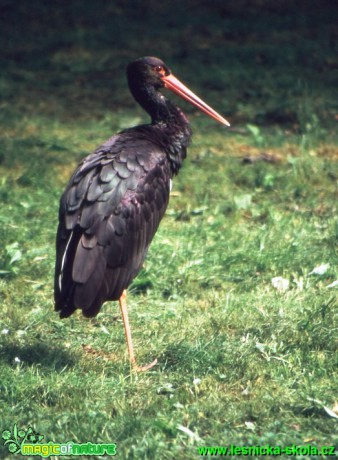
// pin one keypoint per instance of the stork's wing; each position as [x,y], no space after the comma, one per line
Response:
[108,216]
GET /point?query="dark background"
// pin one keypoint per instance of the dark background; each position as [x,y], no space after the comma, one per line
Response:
[255,59]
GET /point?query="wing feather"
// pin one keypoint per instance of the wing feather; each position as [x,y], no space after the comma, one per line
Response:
[110,212]
[86,293]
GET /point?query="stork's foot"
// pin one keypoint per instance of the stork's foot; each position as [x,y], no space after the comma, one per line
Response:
[138,368]
[124,311]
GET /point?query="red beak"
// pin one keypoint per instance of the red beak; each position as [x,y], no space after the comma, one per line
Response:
[171,82]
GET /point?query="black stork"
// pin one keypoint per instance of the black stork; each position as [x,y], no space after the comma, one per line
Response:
[115,199]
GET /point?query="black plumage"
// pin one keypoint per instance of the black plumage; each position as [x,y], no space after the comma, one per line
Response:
[109,214]
[117,196]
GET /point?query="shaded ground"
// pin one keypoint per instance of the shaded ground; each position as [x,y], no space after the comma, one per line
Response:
[258,59]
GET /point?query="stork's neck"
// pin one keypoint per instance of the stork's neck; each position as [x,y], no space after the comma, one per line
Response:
[171,125]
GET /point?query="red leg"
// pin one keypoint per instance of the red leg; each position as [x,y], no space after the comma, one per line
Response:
[127,330]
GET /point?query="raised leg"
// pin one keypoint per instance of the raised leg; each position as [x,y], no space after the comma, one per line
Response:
[124,311]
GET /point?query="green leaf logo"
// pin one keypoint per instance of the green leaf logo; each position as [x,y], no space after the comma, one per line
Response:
[13,439]
[6,435]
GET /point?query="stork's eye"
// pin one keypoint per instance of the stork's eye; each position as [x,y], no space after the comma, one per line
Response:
[161,70]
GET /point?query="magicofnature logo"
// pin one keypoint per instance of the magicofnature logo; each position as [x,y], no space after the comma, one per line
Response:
[29,442]
[13,439]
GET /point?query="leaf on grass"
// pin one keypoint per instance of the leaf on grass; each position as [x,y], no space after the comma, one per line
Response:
[331,412]
[332,285]
[104,329]
[167,388]
[320,269]
[254,130]
[335,408]
[243,201]
[190,433]
[280,283]
[250,425]
[13,252]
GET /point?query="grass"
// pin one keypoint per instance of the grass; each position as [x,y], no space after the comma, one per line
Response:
[240,361]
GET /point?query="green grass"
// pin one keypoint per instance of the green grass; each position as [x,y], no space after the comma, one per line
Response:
[240,362]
